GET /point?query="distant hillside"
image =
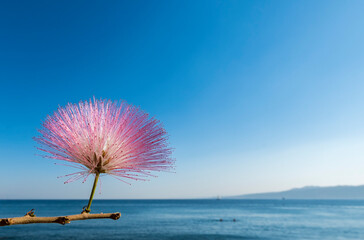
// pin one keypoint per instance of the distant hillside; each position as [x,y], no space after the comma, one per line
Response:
[311,192]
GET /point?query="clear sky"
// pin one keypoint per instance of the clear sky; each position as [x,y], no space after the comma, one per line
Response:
[256,95]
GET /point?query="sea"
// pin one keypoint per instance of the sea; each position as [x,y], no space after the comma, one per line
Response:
[192,219]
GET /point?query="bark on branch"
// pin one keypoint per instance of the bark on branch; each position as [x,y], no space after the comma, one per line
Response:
[31,218]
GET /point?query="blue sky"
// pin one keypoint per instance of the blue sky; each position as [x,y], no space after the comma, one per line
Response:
[256,95]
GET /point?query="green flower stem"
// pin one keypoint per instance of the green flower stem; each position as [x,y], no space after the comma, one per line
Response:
[92,193]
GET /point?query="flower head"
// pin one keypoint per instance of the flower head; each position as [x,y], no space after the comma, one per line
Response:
[104,137]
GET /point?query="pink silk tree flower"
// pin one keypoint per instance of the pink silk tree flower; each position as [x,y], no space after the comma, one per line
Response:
[105,137]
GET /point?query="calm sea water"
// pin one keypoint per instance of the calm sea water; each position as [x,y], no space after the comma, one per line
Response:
[192,219]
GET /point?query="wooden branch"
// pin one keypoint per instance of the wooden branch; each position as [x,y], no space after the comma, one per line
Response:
[31,218]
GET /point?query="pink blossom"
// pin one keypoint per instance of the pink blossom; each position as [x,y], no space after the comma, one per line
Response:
[105,137]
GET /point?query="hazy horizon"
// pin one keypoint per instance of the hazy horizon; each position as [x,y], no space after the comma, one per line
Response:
[257,96]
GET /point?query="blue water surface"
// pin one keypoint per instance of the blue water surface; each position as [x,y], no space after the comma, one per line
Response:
[192,219]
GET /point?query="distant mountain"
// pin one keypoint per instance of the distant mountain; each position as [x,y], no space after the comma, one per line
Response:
[311,192]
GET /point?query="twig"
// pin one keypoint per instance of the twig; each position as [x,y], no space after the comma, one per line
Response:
[31,218]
